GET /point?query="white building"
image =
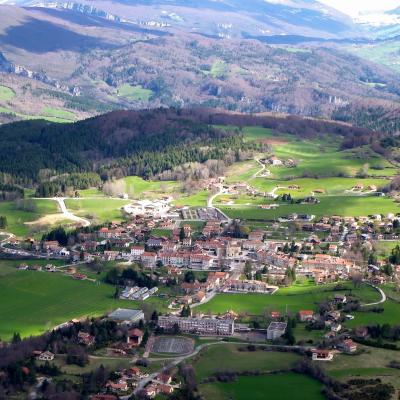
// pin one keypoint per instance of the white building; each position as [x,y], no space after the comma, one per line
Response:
[276,330]
[200,326]
[149,208]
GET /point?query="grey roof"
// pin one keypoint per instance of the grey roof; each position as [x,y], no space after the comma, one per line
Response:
[125,314]
[277,326]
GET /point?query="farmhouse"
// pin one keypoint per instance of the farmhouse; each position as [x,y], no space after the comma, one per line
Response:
[276,330]
[121,386]
[347,346]
[322,355]
[85,338]
[134,337]
[46,356]
[274,160]
[306,315]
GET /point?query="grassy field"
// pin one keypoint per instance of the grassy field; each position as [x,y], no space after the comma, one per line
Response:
[219,69]
[320,157]
[372,362]
[137,93]
[385,53]
[162,232]
[332,171]
[6,93]
[275,386]
[100,210]
[198,199]
[17,218]
[390,315]
[330,186]
[58,113]
[330,205]
[223,357]
[139,188]
[242,171]
[32,302]
[292,299]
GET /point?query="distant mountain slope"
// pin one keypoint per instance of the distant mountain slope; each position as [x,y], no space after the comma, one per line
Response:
[71,60]
[232,18]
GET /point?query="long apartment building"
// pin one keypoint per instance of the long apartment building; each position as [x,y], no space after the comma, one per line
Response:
[200,326]
[191,260]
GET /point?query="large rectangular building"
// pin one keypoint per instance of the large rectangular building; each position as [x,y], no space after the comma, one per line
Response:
[276,330]
[199,326]
[126,316]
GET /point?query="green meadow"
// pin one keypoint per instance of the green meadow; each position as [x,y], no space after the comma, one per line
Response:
[6,93]
[100,210]
[58,113]
[292,299]
[198,199]
[371,362]
[137,93]
[227,357]
[331,205]
[274,386]
[17,218]
[330,186]
[318,157]
[32,302]
[139,188]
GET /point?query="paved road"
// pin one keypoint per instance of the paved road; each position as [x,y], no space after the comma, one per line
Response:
[69,214]
[6,240]
[259,172]
[381,301]
[175,362]
[211,199]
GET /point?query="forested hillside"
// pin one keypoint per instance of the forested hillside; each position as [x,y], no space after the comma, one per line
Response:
[142,143]
[147,143]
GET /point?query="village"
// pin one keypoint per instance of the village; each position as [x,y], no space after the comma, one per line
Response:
[203,258]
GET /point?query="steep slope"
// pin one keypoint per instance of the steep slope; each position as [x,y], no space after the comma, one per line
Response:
[224,17]
[79,61]
[141,143]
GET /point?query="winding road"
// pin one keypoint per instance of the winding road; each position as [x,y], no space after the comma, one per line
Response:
[68,214]
[176,361]
[381,301]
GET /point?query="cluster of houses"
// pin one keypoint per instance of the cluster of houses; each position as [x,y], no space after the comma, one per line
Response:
[162,384]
